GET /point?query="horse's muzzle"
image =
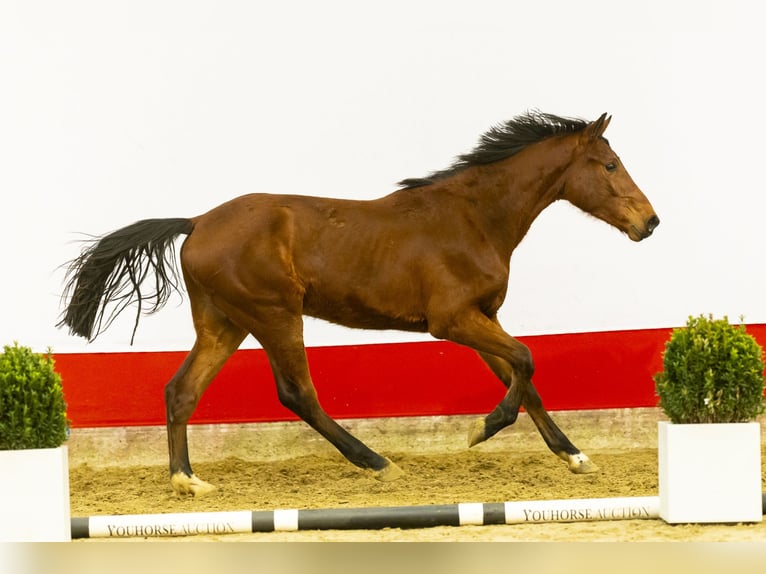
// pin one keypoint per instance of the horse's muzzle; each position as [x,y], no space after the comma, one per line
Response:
[651,224]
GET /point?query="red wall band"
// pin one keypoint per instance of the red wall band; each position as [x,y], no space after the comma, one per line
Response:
[573,372]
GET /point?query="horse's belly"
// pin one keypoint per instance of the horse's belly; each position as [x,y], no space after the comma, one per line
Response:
[351,313]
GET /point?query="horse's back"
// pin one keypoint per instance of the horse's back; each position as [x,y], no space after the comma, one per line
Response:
[255,231]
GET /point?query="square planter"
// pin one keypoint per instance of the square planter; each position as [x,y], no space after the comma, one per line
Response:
[34,495]
[710,472]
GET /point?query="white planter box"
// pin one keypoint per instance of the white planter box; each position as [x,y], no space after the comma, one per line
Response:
[34,495]
[710,472]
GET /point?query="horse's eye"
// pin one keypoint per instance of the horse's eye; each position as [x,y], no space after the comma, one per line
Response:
[611,166]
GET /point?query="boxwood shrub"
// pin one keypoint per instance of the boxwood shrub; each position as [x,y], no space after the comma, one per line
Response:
[713,372]
[32,407]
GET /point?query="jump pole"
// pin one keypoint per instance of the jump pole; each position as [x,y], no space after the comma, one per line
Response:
[372,518]
[369,518]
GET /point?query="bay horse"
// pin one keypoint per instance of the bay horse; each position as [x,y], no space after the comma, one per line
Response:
[433,256]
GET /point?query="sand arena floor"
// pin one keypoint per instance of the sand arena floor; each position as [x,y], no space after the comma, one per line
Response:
[286,465]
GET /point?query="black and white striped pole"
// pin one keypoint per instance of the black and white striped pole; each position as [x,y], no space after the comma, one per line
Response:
[426,516]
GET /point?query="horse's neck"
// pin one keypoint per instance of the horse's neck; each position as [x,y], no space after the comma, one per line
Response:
[511,193]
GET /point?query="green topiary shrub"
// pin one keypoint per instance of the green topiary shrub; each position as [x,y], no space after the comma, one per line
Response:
[32,407]
[713,373]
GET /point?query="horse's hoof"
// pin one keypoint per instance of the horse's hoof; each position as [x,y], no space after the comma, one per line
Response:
[579,463]
[388,473]
[477,433]
[185,484]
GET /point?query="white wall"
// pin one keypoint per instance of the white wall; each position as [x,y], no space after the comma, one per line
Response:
[116,111]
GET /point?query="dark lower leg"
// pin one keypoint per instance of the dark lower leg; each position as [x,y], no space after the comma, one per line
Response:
[179,410]
[348,445]
[507,410]
[296,391]
[556,440]
[503,415]
[182,394]
[177,420]
[530,400]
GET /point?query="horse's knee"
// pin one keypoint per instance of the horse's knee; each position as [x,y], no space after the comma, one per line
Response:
[522,362]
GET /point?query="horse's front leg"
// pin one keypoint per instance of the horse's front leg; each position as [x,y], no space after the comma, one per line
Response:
[507,410]
[557,441]
[512,362]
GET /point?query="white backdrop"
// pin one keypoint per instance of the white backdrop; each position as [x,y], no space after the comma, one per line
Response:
[112,112]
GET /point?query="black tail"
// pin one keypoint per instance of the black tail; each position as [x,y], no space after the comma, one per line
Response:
[111,269]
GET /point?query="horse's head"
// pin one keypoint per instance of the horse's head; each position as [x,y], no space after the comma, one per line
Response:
[599,184]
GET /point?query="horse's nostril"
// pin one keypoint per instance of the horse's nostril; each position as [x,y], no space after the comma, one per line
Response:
[653,222]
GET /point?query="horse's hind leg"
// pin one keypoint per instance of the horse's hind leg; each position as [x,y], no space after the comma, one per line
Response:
[556,440]
[217,339]
[296,392]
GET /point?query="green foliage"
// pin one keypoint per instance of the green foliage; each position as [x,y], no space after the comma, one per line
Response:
[32,407]
[713,373]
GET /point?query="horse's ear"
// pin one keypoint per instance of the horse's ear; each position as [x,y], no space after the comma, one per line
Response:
[596,129]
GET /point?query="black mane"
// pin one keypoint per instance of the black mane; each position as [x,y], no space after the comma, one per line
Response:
[503,141]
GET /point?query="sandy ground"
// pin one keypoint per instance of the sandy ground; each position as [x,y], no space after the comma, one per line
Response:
[326,480]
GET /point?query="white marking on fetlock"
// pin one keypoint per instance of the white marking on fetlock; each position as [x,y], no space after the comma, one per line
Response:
[184,484]
[579,463]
